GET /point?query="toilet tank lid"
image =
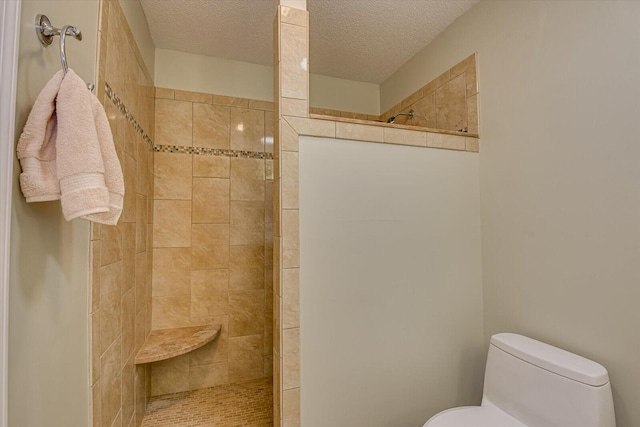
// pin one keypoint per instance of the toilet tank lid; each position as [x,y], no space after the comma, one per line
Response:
[552,359]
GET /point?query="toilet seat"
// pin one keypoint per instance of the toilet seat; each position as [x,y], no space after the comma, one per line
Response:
[473,416]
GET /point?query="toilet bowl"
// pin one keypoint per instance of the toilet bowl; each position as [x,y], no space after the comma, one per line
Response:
[528,383]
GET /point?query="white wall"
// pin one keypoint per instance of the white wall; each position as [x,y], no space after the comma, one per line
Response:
[391,295]
[48,314]
[560,182]
[344,95]
[137,21]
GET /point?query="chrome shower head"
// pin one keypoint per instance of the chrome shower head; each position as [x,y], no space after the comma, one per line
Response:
[393,118]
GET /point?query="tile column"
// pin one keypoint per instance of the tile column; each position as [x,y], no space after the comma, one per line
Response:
[291,85]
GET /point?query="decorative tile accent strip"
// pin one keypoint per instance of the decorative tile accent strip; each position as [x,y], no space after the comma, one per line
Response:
[175,148]
[211,152]
[127,114]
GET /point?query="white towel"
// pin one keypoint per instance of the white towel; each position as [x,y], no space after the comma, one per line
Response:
[84,163]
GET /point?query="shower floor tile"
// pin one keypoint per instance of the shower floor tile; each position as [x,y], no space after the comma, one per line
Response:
[248,404]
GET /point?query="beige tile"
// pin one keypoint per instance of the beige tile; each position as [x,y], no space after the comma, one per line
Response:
[246,313]
[293,16]
[359,132]
[94,256]
[313,127]
[247,267]
[170,376]
[268,201]
[247,190]
[110,383]
[414,97]
[438,82]
[110,304]
[247,129]
[290,179]
[405,137]
[210,200]
[294,107]
[230,101]
[172,173]
[451,108]
[294,64]
[129,202]
[211,166]
[248,169]
[163,93]
[94,349]
[245,358]
[471,81]
[291,408]
[216,351]
[269,132]
[289,137]
[210,126]
[472,144]
[449,142]
[291,298]
[128,392]
[170,312]
[290,358]
[210,246]
[110,244]
[171,267]
[290,239]
[173,122]
[425,111]
[202,376]
[172,223]
[255,104]
[142,219]
[463,66]
[247,223]
[209,293]
[96,405]
[183,95]
[472,114]
[128,324]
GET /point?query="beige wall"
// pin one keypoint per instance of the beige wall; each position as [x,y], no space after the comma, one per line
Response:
[559,173]
[138,24]
[345,95]
[390,287]
[48,327]
[199,73]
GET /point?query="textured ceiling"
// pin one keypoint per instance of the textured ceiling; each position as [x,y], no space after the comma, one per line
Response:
[363,40]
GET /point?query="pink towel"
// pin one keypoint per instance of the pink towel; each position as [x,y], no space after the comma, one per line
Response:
[37,146]
[80,158]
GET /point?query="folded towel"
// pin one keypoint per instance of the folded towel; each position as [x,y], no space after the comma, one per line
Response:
[37,146]
[66,152]
[87,165]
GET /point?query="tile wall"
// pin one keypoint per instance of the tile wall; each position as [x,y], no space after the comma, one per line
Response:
[121,255]
[449,102]
[212,235]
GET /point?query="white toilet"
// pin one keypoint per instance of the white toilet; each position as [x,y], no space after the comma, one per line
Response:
[531,384]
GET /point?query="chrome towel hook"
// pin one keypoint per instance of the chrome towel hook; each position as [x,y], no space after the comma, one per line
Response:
[46,32]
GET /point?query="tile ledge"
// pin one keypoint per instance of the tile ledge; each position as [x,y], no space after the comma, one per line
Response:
[391,126]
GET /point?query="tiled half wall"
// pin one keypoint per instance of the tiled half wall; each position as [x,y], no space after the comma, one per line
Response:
[212,235]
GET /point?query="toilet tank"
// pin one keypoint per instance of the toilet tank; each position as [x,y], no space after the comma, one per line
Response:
[544,386]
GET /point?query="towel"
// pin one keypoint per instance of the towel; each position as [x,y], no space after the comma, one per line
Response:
[37,146]
[67,153]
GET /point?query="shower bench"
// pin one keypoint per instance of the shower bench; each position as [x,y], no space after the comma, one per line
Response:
[164,344]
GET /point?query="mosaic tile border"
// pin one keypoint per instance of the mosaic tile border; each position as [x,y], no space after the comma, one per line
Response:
[127,114]
[177,148]
[211,152]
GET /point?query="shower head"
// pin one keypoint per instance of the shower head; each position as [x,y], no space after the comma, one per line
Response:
[393,118]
